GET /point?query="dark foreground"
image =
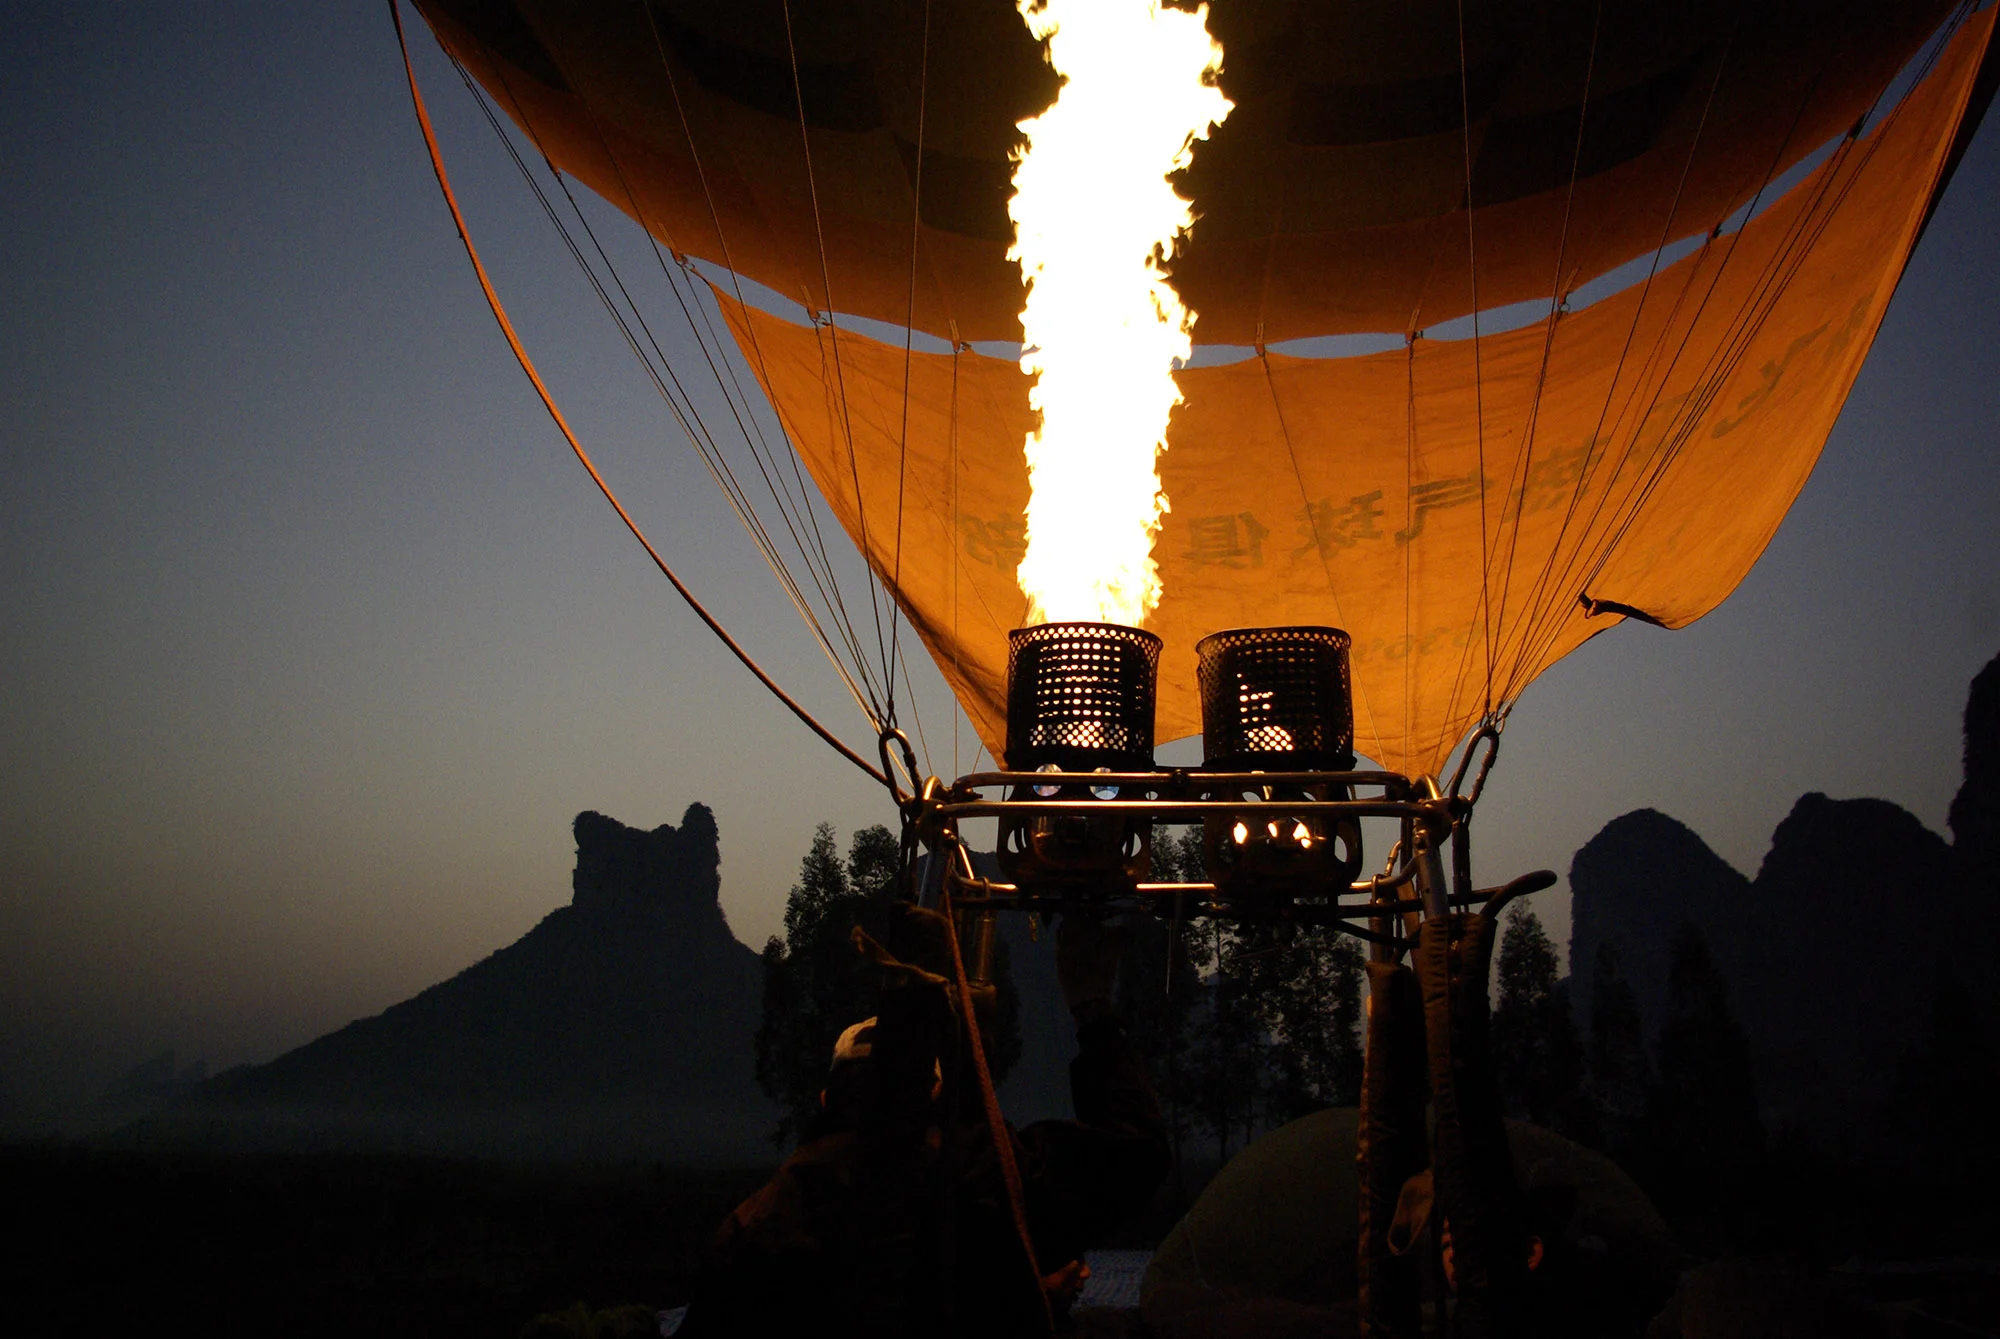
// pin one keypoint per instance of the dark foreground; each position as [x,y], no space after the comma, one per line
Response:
[117,1241]
[112,1242]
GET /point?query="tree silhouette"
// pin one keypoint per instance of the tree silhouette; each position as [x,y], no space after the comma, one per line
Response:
[1304,984]
[813,988]
[1705,1107]
[1231,1053]
[815,985]
[1946,1091]
[1619,1089]
[1262,1021]
[1160,992]
[1537,1054]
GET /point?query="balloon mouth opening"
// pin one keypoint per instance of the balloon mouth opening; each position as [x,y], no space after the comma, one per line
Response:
[1276,700]
[1080,697]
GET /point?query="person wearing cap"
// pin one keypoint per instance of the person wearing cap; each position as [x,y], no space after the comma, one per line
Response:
[893,1216]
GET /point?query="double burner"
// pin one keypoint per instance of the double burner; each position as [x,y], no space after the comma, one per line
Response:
[1080,699]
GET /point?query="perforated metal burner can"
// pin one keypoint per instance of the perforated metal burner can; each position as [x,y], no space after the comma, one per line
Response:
[1080,697]
[1276,699]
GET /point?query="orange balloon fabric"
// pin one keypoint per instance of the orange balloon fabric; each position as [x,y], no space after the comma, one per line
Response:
[1469,511]
[1333,200]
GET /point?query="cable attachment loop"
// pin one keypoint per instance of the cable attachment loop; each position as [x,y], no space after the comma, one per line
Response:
[904,761]
[1489,735]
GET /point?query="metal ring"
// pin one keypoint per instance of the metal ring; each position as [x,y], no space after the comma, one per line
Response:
[908,760]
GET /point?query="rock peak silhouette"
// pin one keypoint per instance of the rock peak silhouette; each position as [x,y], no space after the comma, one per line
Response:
[1975,810]
[669,871]
[1836,952]
[621,1025]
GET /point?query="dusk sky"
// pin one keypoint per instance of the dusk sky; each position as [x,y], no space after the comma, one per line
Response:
[314,637]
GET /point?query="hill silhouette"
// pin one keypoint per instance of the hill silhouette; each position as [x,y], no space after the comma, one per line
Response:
[1836,952]
[618,1026]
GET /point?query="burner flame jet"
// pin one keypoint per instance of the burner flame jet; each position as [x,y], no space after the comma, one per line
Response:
[1095,220]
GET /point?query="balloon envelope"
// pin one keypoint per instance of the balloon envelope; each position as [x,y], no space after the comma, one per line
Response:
[1469,509]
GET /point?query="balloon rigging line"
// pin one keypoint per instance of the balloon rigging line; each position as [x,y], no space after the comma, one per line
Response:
[1716,367]
[909,335]
[810,515]
[1791,257]
[952,446]
[682,410]
[747,422]
[1535,612]
[723,474]
[719,466]
[1409,493]
[1284,431]
[916,715]
[762,370]
[825,581]
[840,377]
[821,573]
[1594,553]
[1788,256]
[576,447]
[1478,377]
[1524,458]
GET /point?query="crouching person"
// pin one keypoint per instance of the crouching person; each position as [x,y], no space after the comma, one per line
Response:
[894,1217]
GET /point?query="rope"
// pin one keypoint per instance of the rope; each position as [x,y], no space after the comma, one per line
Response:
[686,416]
[1770,285]
[1525,458]
[909,335]
[1312,517]
[1409,492]
[839,376]
[831,591]
[1537,609]
[684,410]
[1478,376]
[953,440]
[996,1123]
[583,457]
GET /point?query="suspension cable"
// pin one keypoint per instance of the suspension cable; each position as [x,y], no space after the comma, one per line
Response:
[583,457]
[809,515]
[685,413]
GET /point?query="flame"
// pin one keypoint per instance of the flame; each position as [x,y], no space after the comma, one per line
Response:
[1095,219]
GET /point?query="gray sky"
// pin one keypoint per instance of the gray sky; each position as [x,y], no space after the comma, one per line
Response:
[313,637]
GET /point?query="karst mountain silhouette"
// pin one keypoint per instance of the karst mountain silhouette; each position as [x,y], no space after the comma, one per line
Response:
[618,1026]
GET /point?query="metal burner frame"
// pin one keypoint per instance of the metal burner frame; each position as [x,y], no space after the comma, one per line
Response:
[1411,887]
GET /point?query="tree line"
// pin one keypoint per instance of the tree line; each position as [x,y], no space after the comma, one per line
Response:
[1246,1027]
[1242,1027]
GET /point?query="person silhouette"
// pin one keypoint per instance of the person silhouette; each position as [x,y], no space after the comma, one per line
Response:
[893,1216]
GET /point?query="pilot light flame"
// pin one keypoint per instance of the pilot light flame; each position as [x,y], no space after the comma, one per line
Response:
[1095,219]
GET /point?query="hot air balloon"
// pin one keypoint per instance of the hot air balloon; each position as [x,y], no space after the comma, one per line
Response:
[1469,508]
[1515,322]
